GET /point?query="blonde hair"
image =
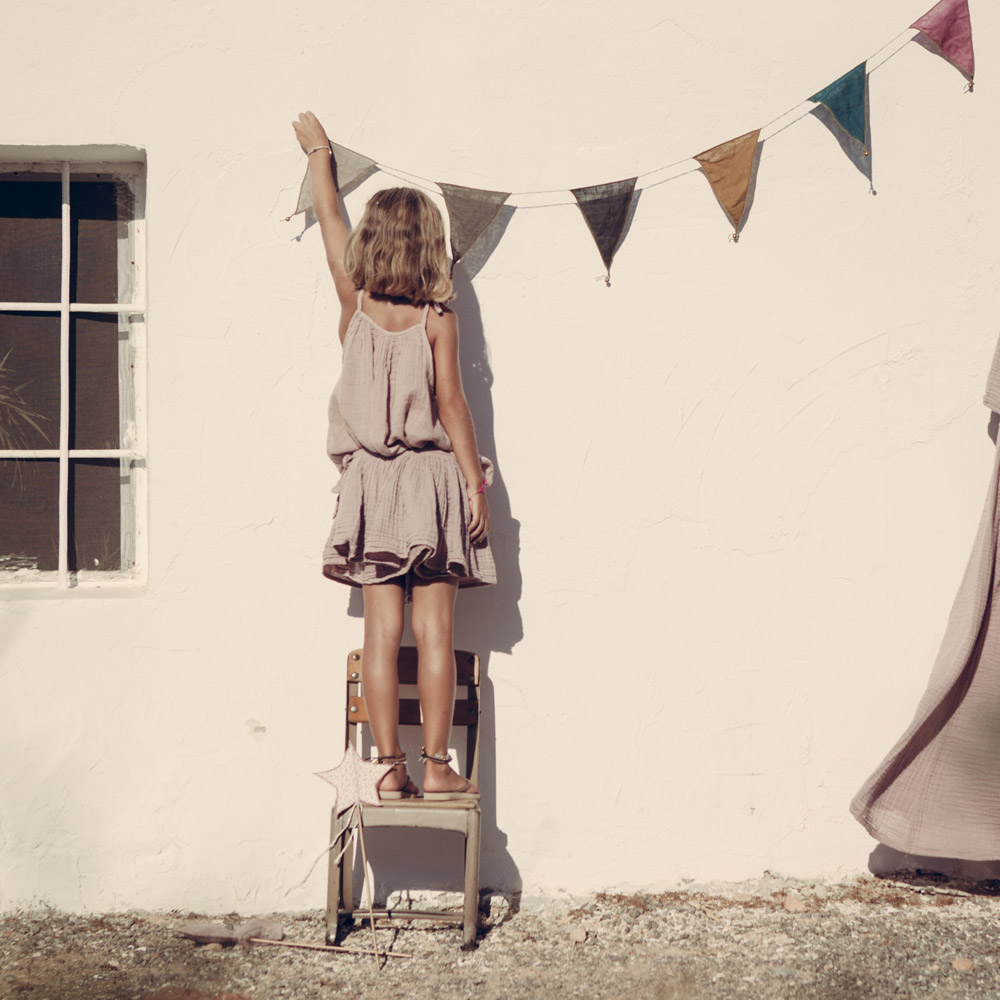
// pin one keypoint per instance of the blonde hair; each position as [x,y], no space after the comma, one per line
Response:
[398,250]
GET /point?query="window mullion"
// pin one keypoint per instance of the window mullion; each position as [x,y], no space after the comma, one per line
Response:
[64,386]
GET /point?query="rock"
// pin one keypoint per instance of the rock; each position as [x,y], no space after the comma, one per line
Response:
[742,897]
[793,904]
[204,933]
[259,927]
[577,935]
[962,964]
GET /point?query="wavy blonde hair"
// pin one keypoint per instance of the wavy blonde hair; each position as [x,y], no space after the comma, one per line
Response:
[397,250]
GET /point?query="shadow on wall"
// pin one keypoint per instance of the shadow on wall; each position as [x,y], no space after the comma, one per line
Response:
[487,620]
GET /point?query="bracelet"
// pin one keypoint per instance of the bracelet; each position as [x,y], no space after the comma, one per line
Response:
[482,489]
[329,149]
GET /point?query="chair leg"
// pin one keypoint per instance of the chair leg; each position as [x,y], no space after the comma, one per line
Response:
[470,910]
[339,886]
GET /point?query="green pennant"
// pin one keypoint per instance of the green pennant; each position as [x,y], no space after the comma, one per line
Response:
[845,98]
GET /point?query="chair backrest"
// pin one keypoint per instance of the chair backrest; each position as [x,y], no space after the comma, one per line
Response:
[466,709]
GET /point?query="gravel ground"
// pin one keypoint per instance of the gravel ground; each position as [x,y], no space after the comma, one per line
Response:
[770,938]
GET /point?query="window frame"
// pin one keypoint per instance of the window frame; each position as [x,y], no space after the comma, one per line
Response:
[132,172]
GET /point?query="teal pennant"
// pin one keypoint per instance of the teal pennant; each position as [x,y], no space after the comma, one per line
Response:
[845,98]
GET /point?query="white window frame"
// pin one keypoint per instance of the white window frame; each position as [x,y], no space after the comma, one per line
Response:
[132,172]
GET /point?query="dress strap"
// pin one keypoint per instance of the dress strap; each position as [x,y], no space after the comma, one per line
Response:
[361,293]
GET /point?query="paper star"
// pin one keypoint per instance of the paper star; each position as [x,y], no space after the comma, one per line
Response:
[355,780]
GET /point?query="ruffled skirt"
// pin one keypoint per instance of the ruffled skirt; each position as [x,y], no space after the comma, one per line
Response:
[405,519]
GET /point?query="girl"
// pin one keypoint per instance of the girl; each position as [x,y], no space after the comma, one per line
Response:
[412,517]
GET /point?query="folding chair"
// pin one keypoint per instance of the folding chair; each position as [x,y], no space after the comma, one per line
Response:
[461,816]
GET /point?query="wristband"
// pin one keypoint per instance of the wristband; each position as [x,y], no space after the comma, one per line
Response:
[482,489]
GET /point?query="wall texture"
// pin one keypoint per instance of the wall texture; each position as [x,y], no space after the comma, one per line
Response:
[736,489]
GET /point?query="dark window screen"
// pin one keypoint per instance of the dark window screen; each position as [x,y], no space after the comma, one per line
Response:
[99,212]
[30,250]
[30,239]
[29,380]
[29,514]
[93,390]
[95,514]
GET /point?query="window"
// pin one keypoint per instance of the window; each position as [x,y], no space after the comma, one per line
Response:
[72,355]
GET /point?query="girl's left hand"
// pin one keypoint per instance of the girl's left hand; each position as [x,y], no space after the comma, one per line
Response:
[479,517]
[309,132]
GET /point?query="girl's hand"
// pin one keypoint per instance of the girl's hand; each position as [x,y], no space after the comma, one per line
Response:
[309,132]
[479,517]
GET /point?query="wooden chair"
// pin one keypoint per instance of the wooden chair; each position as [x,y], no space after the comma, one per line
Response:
[461,816]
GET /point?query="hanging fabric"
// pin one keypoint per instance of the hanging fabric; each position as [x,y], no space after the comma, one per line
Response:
[470,212]
[948,26]
[606,209]
[349,170]
[729,168]
[845,99]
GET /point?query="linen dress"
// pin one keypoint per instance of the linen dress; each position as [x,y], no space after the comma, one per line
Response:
[403,506]
[937,793]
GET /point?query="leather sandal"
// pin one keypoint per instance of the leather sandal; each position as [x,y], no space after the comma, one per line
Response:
[408,791]
[459,794]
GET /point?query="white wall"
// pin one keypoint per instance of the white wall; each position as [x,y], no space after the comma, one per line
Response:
[737,489]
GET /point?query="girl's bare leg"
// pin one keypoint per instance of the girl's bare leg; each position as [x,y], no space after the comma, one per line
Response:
[383,632]
[432,621]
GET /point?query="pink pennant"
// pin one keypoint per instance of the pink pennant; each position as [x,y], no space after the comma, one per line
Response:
[947,24]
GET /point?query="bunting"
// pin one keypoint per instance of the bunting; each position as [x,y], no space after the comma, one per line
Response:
[349,170]
[948,26]
[479,217]
[845,99]
[470,213]
[606,209]
[730,169]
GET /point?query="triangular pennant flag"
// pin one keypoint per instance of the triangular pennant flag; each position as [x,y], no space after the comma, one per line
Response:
[605,208]
[845,98]
[349,170]
[948,26]
[470,212]
[729,169]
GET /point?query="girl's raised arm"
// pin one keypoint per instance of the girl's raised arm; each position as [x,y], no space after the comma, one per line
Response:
[326,204]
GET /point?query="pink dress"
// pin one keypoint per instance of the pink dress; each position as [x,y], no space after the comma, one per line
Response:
[403,510]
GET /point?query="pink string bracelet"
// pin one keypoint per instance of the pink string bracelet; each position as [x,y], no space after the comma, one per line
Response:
[482,489]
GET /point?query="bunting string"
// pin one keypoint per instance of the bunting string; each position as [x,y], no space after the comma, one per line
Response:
[730,167]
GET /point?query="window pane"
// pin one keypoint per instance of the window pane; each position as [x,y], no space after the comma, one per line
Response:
[29,380]
[93,366]
[99,214]
[30,239]
[29,514]
[95,489]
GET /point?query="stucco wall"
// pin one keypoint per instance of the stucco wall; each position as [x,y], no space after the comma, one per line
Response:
[737,488]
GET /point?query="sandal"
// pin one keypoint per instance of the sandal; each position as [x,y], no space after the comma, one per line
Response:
[408,791]
[459,794]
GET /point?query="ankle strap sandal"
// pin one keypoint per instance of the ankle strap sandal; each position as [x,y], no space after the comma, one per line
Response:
[408,791]
[459,795]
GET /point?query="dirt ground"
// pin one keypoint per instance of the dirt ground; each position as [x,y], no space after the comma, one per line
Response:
[918,937]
